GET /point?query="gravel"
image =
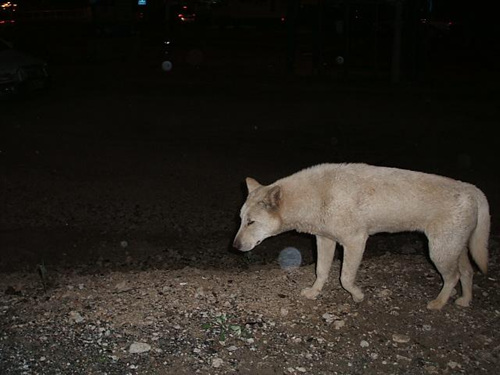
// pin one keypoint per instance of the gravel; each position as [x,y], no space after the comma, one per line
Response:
[244,321]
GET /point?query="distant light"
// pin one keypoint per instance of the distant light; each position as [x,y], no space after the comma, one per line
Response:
[142,2]
[186,18]
[8,4]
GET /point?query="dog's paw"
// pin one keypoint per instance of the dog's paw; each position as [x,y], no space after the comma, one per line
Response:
[358,297]
[463,302]
[309,293]
[435,304]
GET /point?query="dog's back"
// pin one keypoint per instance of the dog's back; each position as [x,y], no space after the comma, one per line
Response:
[384,199]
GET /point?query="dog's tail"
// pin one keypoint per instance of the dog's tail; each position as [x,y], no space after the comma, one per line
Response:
[478,242]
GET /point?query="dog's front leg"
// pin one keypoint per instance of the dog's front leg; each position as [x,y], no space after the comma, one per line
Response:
[353,253]
[326,251]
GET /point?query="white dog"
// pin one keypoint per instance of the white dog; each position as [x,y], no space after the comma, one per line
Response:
[346,203]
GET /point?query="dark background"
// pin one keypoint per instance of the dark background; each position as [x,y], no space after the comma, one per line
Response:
[119,150]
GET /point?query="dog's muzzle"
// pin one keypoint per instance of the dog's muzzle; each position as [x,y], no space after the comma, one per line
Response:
[237,244]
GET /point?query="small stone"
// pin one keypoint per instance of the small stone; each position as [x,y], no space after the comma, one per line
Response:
[431,369]
[300,369]
[364,344]
[453,365]
[75,317]
[402,358]
[384,293]
[373,355]
[123,287]
[283,311]
[296,340]
[217,362]
[328,317]
[338,324]
[344,309]
[199,293]
[402,339]
[231,348]
[139,347]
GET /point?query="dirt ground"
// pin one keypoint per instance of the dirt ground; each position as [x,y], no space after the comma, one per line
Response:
[120,192]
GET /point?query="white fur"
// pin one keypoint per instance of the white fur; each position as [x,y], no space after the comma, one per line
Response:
[346,203]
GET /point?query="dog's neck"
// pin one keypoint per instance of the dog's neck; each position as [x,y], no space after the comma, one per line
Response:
[299,211]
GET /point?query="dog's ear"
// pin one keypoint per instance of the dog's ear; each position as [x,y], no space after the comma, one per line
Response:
[252,184]
[273,198]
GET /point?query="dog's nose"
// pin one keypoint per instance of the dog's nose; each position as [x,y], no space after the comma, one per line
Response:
[237,244]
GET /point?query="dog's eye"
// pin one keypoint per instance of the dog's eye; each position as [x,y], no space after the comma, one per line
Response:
[250,222]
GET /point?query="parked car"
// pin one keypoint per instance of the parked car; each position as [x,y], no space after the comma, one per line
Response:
[20,72]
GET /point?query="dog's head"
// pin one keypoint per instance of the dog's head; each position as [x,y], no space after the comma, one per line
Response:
[260,215]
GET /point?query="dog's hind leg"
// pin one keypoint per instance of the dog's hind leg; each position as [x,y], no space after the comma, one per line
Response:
[353,254]
[445,258]
[326,251]
[466,273]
